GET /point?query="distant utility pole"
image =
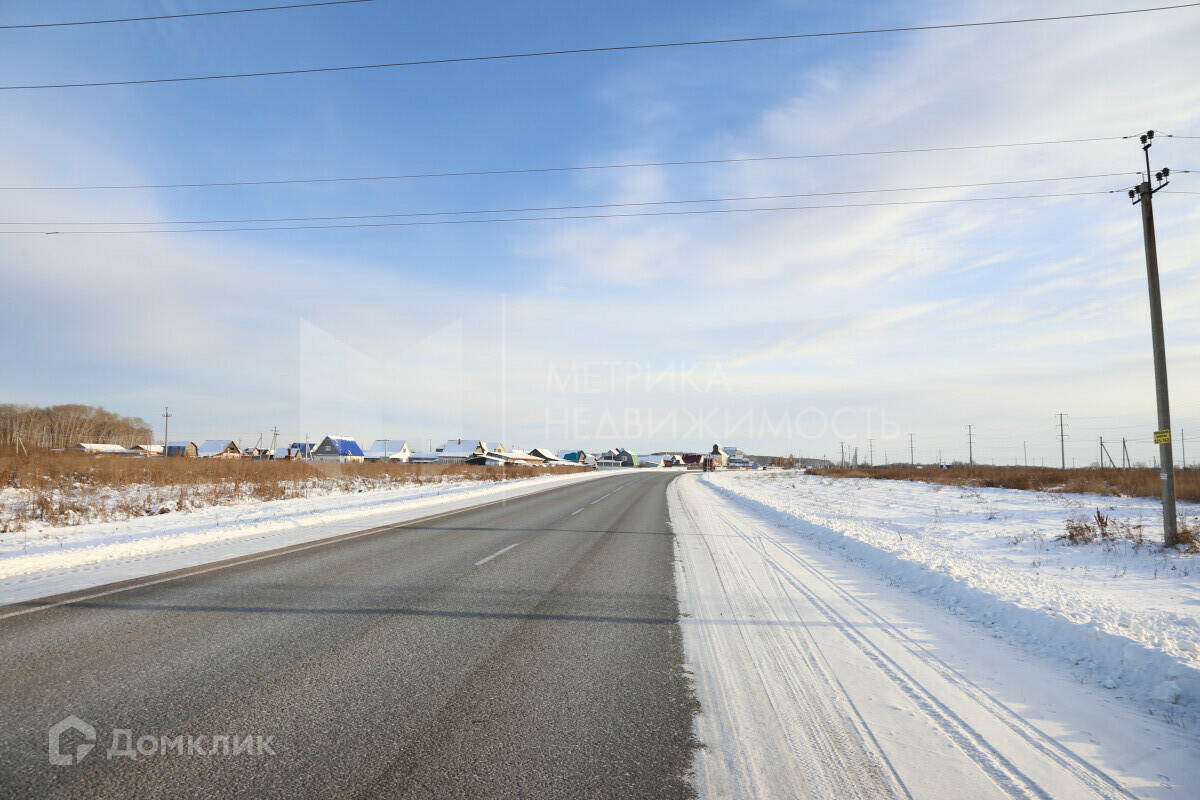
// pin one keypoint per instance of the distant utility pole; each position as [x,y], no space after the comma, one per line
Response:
[1062,438]
[385,444]
[842,457]
[1104,452]
[1183,447]
[1162,437]
[166,415]
[274,439]
[912,459]
[971,444]
[1025,447]
[1126,461]
[871,451]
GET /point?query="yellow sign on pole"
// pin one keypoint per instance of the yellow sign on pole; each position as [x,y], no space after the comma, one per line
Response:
[1162,437]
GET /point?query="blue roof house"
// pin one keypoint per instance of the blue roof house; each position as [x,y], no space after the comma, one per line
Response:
[338,448]
[296,451]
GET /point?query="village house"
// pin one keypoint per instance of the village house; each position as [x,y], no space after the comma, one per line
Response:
[388,450]
[486,460]
[549,457]
[182,449]
[296,451]
[95,449]
[457,451]
[218,448]
[338,448]
[522,458]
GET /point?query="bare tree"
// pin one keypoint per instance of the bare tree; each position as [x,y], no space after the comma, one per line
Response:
[66,425]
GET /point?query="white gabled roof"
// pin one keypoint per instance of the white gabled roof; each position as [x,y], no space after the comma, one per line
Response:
[491,459]
[93,447]
[521,455]
[461,448]
[549,455]
[212,447]
[379,447]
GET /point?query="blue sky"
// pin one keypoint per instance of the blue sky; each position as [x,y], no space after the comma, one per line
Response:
[779,332]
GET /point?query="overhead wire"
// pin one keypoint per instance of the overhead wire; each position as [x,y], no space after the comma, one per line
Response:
[607,49]
[745,198]
[687,212]
[180,16]
[580,168]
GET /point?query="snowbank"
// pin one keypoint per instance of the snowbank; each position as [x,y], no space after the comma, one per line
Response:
[1124,616]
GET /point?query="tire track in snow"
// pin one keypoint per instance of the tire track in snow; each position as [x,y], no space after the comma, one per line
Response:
[829,743]
[1096,781]
[818,716]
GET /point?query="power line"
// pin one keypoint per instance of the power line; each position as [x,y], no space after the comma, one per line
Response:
[583,168]
[575,207]
[689,212]
[179,16]
[609,49]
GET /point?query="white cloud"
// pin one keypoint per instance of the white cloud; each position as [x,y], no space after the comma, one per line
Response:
[1002,312]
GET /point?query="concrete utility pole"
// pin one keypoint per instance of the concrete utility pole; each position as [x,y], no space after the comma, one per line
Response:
[166,415]
[1025,447]
[971,444]
[912,459]
[871,450]
[1162,437]
[1062,438]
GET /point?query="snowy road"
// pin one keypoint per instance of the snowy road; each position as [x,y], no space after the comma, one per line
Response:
[816,680]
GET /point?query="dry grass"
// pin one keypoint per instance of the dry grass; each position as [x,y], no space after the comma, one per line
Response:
[1102,527]
[69,488]
[1132,483]
[1189,535]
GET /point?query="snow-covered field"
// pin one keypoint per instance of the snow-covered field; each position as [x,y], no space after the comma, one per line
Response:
[44,562]
[932,641]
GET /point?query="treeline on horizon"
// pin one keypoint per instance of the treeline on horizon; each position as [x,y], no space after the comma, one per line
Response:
[62,426]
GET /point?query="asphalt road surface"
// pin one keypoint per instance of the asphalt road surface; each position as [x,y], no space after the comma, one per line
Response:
[527,649]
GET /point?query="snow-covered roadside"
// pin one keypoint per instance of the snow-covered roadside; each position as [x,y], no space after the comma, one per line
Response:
[818,677]
[101,553]
[1123,617]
